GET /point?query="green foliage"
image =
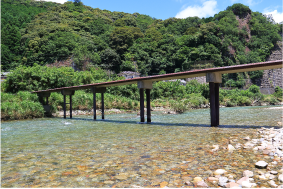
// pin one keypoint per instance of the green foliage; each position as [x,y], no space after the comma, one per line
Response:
[23,105]
[45,32]
[239,9]
[42,77]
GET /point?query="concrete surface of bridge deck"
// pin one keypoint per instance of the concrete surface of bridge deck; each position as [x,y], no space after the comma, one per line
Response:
[213,77]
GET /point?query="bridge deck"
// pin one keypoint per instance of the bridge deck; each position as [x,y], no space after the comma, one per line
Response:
[179,75]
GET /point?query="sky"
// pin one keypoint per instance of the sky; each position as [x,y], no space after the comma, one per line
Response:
[164,9]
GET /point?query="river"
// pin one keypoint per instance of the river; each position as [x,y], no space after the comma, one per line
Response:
[120,152]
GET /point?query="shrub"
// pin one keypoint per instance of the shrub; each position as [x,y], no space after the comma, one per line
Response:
[20,106]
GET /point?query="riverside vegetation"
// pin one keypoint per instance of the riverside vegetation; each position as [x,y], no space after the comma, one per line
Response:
[38,33]
[18,103]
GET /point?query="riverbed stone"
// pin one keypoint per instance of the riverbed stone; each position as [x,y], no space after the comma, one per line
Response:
[232,185]
[222,181]
[231,148]
[211,179]
[274,172]
[272,184]
[197,179]
[202,184]
[247,184]
[265,152]
[261,164]
[242,180]
[248,173]
[247,138]
[219,172]
[280,178]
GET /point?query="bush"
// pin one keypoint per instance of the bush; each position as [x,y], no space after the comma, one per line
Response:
[178,106]
[20,106]
[254,89]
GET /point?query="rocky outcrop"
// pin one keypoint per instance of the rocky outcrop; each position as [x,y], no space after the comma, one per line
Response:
[272,78]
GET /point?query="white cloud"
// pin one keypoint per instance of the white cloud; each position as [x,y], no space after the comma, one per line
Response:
[246,2]
[277,16]
[208,8]
[57,1]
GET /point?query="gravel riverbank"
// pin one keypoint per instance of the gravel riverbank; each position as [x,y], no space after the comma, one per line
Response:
[268,171]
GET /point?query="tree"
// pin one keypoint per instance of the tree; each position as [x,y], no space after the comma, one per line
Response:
[78,2]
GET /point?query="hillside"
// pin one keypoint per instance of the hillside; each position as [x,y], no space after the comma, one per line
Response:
[44,33]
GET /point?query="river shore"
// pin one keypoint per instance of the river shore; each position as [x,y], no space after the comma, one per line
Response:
[268,172]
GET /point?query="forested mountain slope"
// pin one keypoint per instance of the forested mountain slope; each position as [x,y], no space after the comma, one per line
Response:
[45,32]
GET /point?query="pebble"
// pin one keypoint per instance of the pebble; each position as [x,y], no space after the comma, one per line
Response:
[231,148]
[272,184]
[163,184]
[197,179]
[248,173]
[247,184]
[232,185]
[274,172]
[202,184]
[222,181]
[247,138]
[211,179]
[261,164]
[242,180]
[280,178]
[219,172]
[121,177]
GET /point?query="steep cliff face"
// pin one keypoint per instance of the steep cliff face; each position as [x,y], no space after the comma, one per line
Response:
[272,78]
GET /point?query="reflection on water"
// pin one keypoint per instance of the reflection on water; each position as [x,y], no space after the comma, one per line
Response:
[79,152]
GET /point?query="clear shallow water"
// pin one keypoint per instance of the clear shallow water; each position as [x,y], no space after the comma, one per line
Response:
[79,152]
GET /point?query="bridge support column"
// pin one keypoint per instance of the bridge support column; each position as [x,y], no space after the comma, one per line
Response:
[214,79]
[102,105]
[148,112]
[95,90]
[147,85]
[65,93]
[47,108]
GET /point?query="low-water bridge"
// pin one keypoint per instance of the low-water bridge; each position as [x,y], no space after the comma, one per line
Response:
[213,77]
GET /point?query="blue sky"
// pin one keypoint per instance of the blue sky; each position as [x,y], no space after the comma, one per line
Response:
[163,9]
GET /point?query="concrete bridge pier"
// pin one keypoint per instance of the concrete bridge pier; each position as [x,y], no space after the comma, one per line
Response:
[147,85]
[65,92]
[46,106]
[95,90]
[214,79]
